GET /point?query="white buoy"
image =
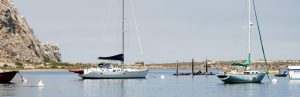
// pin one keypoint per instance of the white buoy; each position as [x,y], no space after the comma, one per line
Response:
[274,80]
[162,76]
[24,80]
[40,84]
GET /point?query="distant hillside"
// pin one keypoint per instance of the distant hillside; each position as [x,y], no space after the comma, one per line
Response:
[18,42]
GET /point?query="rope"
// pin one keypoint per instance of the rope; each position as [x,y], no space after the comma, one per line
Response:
[136,28]
[21,76]
[260,38]
[137,32]
[152,76]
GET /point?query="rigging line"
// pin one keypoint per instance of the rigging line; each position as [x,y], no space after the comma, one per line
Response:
[261,41]
[21,76]
[137,30]
[260,38]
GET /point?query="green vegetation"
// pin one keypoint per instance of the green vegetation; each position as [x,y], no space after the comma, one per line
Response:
[65,65]
[19,65]
[46,59]
[5,66]
[59,63]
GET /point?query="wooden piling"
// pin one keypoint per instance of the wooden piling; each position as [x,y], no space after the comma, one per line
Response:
[192,66]
[177,68]
[206,65]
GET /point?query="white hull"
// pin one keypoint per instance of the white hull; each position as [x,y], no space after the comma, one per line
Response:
[96,73]
[294,72]
[294,76]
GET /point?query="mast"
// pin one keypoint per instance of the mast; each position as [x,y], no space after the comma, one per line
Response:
[249,31]
[123,31]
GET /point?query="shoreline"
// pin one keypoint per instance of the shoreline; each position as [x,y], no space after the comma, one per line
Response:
[37,70]
[159,66]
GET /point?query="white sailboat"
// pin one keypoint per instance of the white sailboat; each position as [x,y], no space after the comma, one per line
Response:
[106,71]
[248,76]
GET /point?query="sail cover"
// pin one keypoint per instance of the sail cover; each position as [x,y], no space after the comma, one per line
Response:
[245,64]
[119,57]
[241,64]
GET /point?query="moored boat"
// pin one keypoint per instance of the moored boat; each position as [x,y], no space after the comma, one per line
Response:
[7,76]
[281,75]
[106,71]
[79,71]
[248,76]
[294,72]
[270,71]
[284,74]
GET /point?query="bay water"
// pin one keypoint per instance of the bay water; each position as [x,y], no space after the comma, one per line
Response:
[159,83]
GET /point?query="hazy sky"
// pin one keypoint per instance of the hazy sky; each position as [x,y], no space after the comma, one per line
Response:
[170,30]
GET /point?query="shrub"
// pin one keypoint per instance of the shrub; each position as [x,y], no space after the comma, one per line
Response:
[53,67]
[19,65]
[46,59]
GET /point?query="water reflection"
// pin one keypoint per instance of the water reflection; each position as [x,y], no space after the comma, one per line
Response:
[104,87]
[294,82]
[64,84]
[7,89]
[242,89]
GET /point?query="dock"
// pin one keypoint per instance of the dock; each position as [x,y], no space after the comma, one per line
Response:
[193,73]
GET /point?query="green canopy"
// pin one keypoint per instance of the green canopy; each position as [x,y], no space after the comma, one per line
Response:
[245,64]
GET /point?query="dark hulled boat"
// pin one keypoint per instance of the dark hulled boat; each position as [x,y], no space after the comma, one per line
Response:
[280,75]
[6,77]
[284,74]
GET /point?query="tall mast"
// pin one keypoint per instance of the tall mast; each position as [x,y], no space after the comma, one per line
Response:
[123,31]
[249,30]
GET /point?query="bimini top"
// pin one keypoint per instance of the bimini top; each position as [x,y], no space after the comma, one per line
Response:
[293,67]
[119,57]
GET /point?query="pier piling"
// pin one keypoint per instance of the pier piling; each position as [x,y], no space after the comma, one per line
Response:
[177,68]
[192,66]
[206,66]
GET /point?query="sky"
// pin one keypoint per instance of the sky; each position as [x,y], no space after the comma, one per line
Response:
[170,30]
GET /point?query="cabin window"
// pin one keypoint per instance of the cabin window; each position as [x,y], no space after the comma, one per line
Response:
[247,72]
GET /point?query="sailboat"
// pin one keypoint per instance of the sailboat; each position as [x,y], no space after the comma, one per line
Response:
[106,71]
[248,76]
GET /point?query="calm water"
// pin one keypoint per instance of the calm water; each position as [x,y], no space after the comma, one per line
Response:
[65,84]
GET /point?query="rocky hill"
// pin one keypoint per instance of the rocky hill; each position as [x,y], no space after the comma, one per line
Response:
[18,42]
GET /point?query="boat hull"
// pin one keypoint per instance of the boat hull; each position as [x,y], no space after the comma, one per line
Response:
[294,76]
[79,71]
[114,74]
[294,72]
[241,78]
[6,77]
[280,75]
